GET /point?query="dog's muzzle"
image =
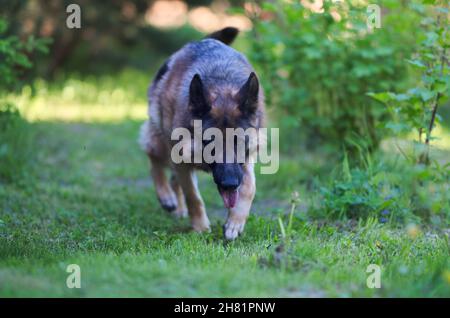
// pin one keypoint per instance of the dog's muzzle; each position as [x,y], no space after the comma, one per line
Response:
[228,178]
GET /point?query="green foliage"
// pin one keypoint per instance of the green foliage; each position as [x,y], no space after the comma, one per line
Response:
[390,192]
[416,109]
[113,35]
[14,56]
[91,203]
[318,66]
[16,146]
[15,132]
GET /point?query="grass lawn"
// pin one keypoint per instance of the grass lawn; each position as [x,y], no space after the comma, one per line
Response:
[90,202]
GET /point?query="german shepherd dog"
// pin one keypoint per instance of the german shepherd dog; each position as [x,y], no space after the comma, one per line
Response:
[209,81]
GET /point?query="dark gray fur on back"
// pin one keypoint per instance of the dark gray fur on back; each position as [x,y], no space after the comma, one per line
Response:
[215,62]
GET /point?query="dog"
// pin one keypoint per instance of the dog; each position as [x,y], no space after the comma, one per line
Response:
[205,80]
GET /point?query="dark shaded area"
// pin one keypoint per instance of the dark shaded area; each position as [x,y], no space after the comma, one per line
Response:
[113,35]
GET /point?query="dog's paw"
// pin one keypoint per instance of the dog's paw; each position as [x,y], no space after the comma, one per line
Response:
[232,229]
[200,224]
[180,213]
[168,201]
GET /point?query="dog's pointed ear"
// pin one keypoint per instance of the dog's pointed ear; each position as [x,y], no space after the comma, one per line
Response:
[248,95]
[198,104]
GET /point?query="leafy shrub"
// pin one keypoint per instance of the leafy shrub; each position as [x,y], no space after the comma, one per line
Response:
[15,143]
[391,192]
[318,66]
[14,56]
[15,132]
[417,108]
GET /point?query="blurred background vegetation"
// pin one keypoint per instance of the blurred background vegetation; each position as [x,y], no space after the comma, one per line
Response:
[114,35]
[364,174]
[352,97]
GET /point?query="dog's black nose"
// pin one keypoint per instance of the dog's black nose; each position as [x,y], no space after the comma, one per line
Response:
[229,183]
[227,176]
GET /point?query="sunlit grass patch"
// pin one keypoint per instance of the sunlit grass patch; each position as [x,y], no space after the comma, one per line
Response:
[110,98]
[44,110]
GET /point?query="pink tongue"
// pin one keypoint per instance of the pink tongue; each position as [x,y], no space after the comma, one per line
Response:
[229,197]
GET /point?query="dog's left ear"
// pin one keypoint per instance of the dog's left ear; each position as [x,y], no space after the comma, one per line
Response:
[198,104]
[248,95]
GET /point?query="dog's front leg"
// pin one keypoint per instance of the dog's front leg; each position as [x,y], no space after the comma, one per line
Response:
[196,208]
[237,216]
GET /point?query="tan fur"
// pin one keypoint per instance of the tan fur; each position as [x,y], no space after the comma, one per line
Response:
[238,215]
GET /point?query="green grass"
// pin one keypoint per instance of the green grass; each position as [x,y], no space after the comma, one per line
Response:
[89,201]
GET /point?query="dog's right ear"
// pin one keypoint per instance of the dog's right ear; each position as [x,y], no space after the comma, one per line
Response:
[248,95]
[198,104]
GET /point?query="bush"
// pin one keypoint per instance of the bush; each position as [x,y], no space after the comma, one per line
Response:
[318,66]
[390,192]
[14,57]
[15,143]
[417,108]
[15,132]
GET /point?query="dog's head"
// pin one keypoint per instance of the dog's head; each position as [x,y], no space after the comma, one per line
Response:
[223,106]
